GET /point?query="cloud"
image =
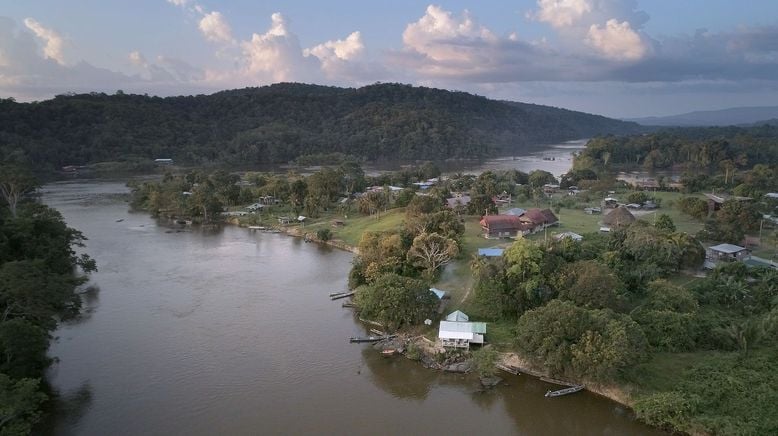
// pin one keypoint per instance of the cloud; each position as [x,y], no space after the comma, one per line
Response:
[346,49]
[215,28]
[561,13]
[137,59]
[275,55]
[178,2]
[54,42]
[439,35]
[617,41]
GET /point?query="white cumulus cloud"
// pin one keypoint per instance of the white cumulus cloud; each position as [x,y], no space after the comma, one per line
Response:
[561,13]
[276,54]
[345,49]
[617,40]
[54,43]
[137,58]
[439,35]
[215,28]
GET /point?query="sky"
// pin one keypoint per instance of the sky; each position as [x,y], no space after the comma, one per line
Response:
[619,58]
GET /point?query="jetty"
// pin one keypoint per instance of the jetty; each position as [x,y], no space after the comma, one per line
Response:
[348,304]
[359,340]
[559,393]
[339,295]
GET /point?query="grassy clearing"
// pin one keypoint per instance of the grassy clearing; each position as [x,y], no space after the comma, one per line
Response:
[355,226]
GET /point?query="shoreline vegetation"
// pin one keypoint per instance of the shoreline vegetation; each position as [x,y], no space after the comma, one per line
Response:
[630,314]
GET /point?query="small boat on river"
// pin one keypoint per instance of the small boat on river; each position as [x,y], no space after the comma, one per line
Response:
[567,391]
[358,340]
[389,352]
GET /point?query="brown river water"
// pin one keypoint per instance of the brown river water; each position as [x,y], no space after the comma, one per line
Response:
[231,333]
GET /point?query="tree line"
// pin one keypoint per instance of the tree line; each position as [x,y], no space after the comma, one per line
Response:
[39,274]
[281,122]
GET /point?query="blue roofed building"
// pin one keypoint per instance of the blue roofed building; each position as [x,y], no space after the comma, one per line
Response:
[491,252]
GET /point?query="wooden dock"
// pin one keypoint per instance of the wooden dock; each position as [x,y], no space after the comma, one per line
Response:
[341,295]
[348,304]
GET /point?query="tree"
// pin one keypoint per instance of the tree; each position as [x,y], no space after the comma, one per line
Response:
[481,205]
[20,402]
[574,341]
[395,301]
[538,178]
[15,181]
[665,223]
[431,251]
[590,284]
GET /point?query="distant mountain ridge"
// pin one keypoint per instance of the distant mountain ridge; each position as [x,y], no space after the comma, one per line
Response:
[724,117]
[281,122]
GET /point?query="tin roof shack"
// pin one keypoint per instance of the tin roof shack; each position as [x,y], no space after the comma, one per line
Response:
[568,235]
[715,201]
[458,332]
[491,252]
[726,253]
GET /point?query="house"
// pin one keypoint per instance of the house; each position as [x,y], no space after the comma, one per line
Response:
[503,226]
[491,252]
[458,332]
[634,206]
[568,235]
[610,203]
[516,211]
[593,210]
[726,253]
[715,201]
[618,217]
[773,195]
[650,205]
[255,207]
[338,223]
[163,161]
[539,219]
[458,201]
[550,188]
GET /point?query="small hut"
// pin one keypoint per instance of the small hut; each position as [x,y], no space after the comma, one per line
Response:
[621,216]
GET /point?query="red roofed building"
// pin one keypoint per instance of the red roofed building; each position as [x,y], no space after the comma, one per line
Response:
[503,226]
[539,219]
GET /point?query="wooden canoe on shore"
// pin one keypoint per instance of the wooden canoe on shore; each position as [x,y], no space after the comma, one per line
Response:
[559,393]
[508,368]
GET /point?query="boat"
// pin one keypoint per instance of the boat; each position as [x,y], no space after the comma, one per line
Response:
[559,393]
[389,352]
[357,340]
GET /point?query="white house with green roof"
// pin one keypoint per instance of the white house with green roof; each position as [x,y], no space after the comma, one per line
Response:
[458,332]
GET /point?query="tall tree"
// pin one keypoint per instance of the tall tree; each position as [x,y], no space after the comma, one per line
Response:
[15,181]
[431,251]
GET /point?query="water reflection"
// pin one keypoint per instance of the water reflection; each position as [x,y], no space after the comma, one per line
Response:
[65,410]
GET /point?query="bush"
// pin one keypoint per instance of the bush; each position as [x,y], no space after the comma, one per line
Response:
[324,234]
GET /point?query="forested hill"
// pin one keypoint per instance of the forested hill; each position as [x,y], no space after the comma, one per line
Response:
[280,122]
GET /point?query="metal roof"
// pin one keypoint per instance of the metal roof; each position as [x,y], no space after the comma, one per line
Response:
[491,252]
[727,248]
[457,315]
[462,327]
[438,293]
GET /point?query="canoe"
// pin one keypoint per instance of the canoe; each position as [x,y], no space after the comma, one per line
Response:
[559,393]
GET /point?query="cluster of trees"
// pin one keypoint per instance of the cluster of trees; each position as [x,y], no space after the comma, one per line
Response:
[739,158]
[595,307]
[38,279]
[281,122]
[728,224]
[393,270]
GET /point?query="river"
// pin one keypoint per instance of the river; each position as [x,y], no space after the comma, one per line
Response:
[231,332]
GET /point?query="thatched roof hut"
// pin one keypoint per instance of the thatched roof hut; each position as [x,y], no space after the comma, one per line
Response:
[621,216]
